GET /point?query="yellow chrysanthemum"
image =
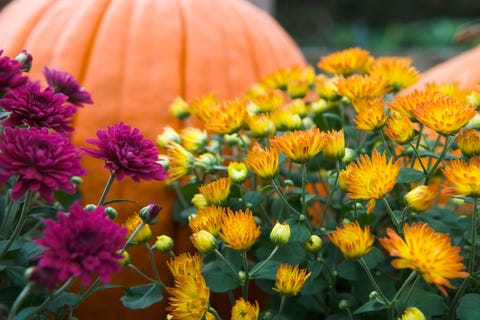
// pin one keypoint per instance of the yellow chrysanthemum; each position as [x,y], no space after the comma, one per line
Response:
[398,71]
[335,145]
[300,146]
[399,128]
[189,298]
[371,178]
[204,106]
[199,201]
[451,89]
[362,87]
[263,162]
[244,310]
[185,264]
[180,161]
[346,62]
[279,79]
[445,115]
[229,117]
[132,223]
[239,230]
[468,142]
[260,125]
[407,103]
[371,118]
[353,241]
[326,87]
[298,88]
[464,177]
[428,252]
[342,177]
[208,218]
[194,140]
[420,198]
[290,280]
[412,313]
[216,192]
[267,102]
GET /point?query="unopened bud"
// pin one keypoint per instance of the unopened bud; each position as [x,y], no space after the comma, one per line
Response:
[90,207]
[111,213]
[313,244]
[203,241]
[164,243]
[126,258]
[280,233]
[76,180]
[237,171]
[25,60]
[149,214]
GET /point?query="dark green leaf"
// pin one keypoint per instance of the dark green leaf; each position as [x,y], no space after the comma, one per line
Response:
[26,313]
[350,270]
[408,175]
[372,305]
[268,271]
[469,307]
[299,231]
[141,297]
[219,278]
[64,299]
[373,258]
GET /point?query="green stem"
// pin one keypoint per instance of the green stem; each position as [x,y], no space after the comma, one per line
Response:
[410,292]
[20,223]
[154,266]
[304,187]
[19,300]
[385,143]
[140,273]
[282,304]
[91,289]
[227,263]
[107,188]
[392,216]
[11,209]
[133,235]
[282,196]
[432,170]
[417,144]
[245,269]
[57,292]
[404,286]
[180,196]
[215,313]
[374,283]
[256,269]
[332,190]
[425,171]
[473,252]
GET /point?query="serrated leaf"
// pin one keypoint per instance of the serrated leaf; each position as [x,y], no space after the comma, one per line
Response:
[141,297]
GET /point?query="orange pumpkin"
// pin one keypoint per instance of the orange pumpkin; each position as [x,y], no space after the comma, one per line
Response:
[135,57]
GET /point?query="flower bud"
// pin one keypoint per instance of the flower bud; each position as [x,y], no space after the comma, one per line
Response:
[237,171]
[168,135]
[468,142]
[349,156]
[149,214]
[194,140]
[203,241]
[207,161]
[111,213]
[90,207]
[319,106]
[25,60]
[242,275]
[76,180]
[199,201]
[420,198]
[280,233]
[343,304]
[297,88]
[164,243]
[412,313]
[335,147]
[179,108]
[126,258]
[313,244]
[231,139]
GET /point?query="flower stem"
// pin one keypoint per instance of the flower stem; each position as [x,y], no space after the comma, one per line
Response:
[107,188]
[385,143]
[140,273]
[425,171]
[55,294]
[304,185]
[245,269]
[473,252]
[256,269]
[392,216]
[133,235]
[374,283]
[19,300]
[215,313]
[404,285]
[282,304]
[154,266]
[227,263]
[330,195]
[282,196]
[432,170]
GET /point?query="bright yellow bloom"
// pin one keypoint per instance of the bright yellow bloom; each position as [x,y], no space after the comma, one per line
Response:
[353,241]
[371,178]
[179,108]
[290,280]
[398,71]
[180,161]
[204,107]
[300,146]
[371,118]
[208,218]
[185,264]
[244,310]
[451,89]
[239,230]
[194,139]
[326,87]
[464,177]
[267,102]
[237,171]
[468,142]
[412,313]
[260,126]
[428,252]
[399,128]
[342,177]
[203,241]
[335,146]
[420,198]
[362,87]
[445,115]
[190,298]
[229,116]
[132,223]
[280,78]
[407,103]
[286,119]
[298,88]
[346,62]
[168,134]
[263,162]
[216,192]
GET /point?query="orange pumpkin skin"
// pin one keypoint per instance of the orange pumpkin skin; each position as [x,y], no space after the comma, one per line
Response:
[135,57]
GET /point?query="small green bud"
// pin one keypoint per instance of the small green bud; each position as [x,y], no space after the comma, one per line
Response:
[280,233]
[90,207]
[313,244]
[203,241]
[164,243]
[149,213]
[111,213]
[343,304]
[76,180]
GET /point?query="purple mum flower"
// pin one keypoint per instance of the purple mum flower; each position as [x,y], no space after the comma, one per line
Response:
[30,106]
[66,83]
[10,74]
[80,244]
[127,152]
[42,161]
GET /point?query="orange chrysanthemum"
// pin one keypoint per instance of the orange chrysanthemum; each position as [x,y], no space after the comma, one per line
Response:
[216,192]
[451,89]
[407,103]
[399,128]
[362,87]
[428,252]
[326,87]
[180,161]
[445,115]
[372,117]
[185,264]
[353,241]
[263,162]
[189,298]
[260,125]
[464,176]
[208,219]
[204,106]
[371,178]
[229,117]
[300,146]
[398,71]
[290,280]
[468,142]
[286,118]
[244,310]
[346,62]
[279,79]
[239,230]
[335,145]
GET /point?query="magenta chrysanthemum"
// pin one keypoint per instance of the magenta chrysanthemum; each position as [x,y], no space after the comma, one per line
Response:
[42,161]
[127,153]
[64,82]
[79,244]
[10,74]
[29,105]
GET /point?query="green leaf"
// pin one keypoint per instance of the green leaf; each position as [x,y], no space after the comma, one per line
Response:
[349,270]
[374,258]
[219,278]
[408,175]
[372,305]
[430,303]
[64,299]
[26,313]
[469,307]
[299,231]
[268,271]
[141,297]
